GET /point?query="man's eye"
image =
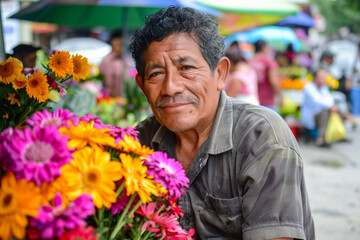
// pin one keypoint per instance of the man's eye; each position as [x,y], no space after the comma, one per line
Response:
[187,67]
[154,74]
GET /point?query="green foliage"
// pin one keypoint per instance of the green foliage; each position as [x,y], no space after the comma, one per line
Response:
[81,103]
[340,13]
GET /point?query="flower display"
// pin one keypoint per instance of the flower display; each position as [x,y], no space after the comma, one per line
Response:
[22,93]
[86,180]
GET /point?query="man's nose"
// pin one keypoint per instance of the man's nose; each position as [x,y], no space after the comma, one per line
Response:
[173,83]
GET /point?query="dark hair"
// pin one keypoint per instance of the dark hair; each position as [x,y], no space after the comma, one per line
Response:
[259,45]
[201,27]
[290,47]
[116,34]
[24,49]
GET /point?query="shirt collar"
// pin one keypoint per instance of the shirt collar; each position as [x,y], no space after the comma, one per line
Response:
[220,138]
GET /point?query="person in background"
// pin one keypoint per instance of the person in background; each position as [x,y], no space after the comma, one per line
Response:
[270,94]
[112,66]
[26,54]
[290,54]
[243,162]
[342,75]
[317,105]
[242,82]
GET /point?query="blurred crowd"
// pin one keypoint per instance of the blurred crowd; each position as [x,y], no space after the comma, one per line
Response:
[303,90]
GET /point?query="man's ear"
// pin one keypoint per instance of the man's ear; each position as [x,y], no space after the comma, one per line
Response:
[140,82]
[222,72]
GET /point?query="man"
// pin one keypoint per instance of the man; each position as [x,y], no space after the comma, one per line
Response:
[243,163]
[317,105]
[26,54]
[112,65]
[268,80]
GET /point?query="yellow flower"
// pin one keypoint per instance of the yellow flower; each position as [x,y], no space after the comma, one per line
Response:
[9,70]
[85,133]
[54,96]
[20,81]
[129,144]
[12,99]
[61,64]
[92,172]
[81,67]
[136,178]
[37,87]
[59,185]
[6,116]
[15,205]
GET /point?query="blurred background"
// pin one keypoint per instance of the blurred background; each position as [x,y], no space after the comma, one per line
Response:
[302,35]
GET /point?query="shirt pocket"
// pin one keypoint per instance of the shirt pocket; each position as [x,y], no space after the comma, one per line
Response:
[222,217]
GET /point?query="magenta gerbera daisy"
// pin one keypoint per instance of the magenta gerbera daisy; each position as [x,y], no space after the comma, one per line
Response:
[37,154]
[118,133]
[97,121]
[53,221]
[59,118]
[168,172]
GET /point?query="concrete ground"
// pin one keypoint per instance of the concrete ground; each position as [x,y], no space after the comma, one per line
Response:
[333,183]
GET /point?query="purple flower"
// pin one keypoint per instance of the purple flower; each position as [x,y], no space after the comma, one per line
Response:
[97,121]
[5,136]
[53,221]
[36,154]
[50,79]
[168,172]
[118,133]
[122,200]
[58,118]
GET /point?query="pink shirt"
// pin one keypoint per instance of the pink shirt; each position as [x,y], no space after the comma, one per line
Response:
[112,68]
[262,65]
[249,82]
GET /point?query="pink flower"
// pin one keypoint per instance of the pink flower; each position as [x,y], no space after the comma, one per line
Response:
[58,118]
[165,226]
[121,202]
[53,221]
[36,154]
[97,121]
[63,91]
[118,133]
[168,172]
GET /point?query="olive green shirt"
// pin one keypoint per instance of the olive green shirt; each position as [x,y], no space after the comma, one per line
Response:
[246,180]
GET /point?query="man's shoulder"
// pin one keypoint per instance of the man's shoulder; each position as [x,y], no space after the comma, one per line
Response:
[261,127]
[147,129]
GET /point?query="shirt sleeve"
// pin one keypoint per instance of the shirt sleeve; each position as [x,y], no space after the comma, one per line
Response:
[273,197]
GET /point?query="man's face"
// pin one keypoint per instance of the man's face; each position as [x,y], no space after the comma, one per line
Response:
[179,85]
[29,60]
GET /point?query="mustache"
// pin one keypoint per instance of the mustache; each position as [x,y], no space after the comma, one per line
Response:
[177,98]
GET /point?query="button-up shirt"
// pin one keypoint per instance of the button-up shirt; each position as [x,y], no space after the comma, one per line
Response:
[246,180]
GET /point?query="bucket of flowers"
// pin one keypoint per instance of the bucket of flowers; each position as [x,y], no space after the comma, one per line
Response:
[70,177]
[23,92]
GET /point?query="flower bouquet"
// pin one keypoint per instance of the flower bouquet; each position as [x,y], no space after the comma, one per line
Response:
[24,92]
[70,177]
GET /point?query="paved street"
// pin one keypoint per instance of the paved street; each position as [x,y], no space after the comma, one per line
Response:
[333,183]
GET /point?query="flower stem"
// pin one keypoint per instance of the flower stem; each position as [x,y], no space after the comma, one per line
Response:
[121,221]
[120,189]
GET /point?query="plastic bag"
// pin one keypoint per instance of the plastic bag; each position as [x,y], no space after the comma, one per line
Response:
[335,130]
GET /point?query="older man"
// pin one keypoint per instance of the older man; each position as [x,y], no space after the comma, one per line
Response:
[243,163]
